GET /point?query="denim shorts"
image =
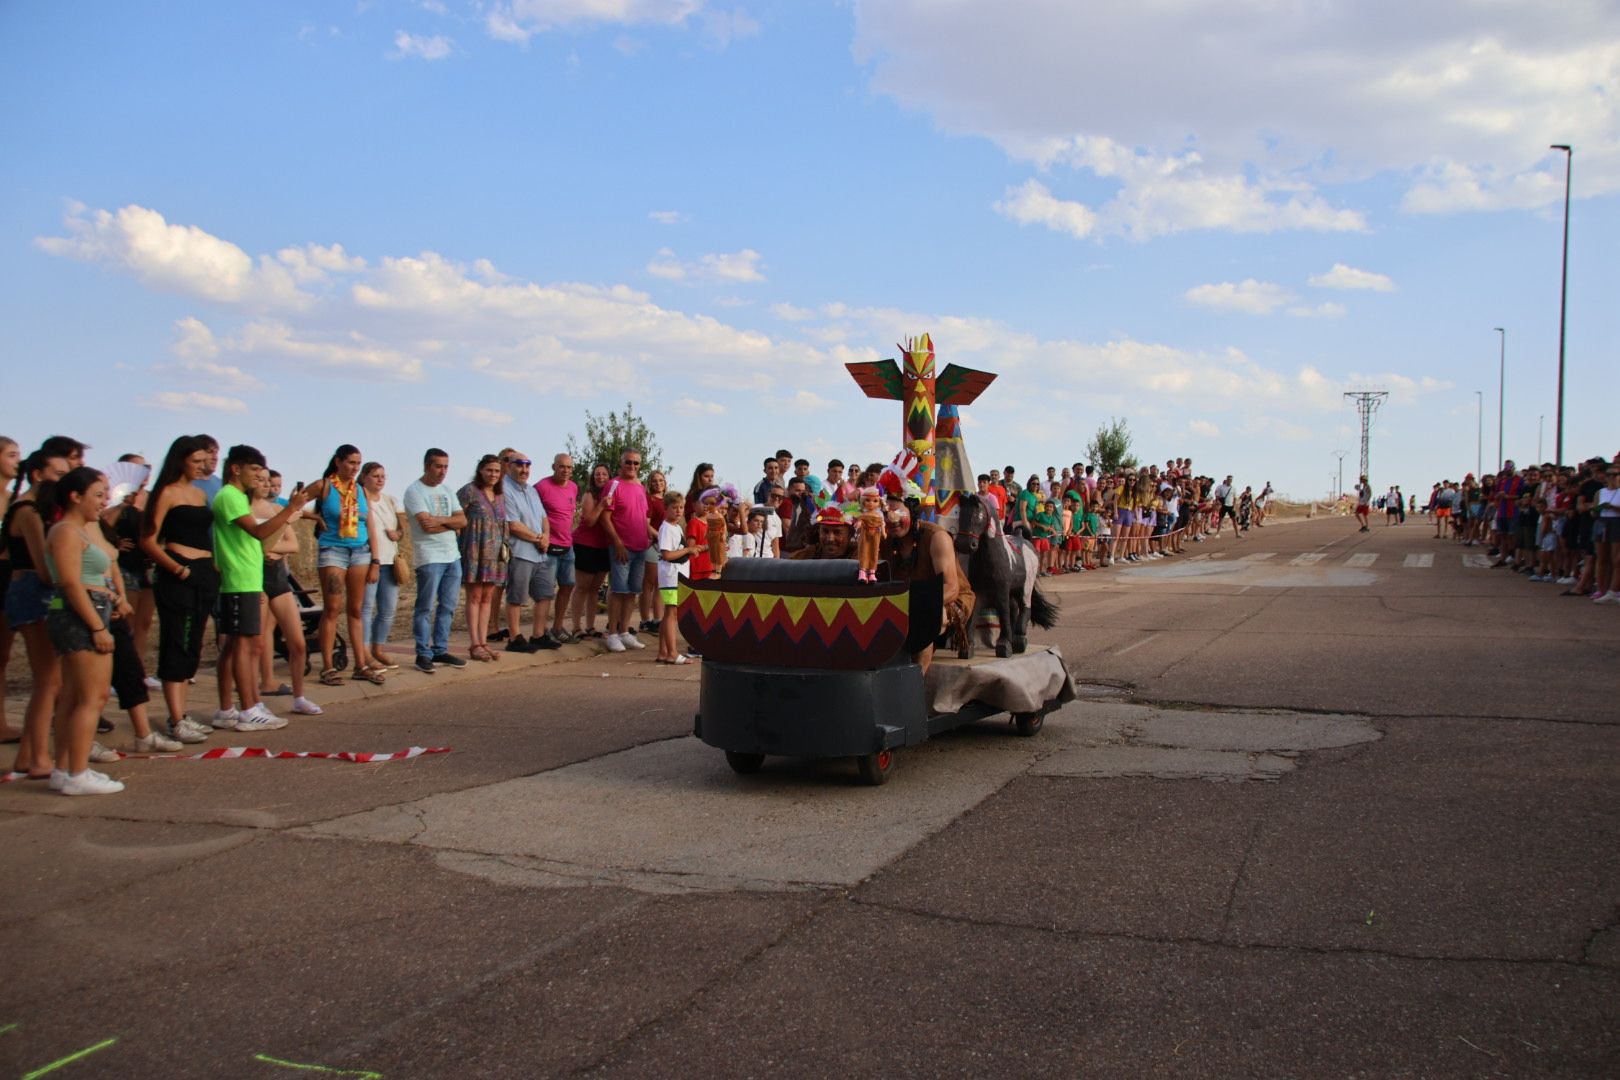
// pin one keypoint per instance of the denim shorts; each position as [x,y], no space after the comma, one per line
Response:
[343,558]
[26,599]
[562,565]
[1605,530]
[627,576]
[68,632]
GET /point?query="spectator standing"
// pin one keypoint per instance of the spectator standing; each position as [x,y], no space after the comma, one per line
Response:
[762,490]
[177,535]
[590,552]
[133,565]
[382,595]
[652,604]
[280,606]
[435,519]
[1363,505]
[837,490]
[626,525]
[1606,537]
[10,467]
[674,551]
[560,496]
[346,560]
[528,575]
[27,599]
[484,550]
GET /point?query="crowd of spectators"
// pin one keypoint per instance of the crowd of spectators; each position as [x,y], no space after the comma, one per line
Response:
[1556,524]
[87,566]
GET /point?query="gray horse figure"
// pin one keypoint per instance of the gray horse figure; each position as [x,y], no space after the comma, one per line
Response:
[1001,571]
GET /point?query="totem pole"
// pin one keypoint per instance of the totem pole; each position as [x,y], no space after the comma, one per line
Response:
[913,382]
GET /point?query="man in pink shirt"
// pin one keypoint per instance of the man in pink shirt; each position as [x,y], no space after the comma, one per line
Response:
[630,534]
[559,495]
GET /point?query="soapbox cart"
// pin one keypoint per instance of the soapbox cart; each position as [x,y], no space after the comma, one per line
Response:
[800,659]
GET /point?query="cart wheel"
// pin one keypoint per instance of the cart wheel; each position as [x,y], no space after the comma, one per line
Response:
[1029,723]
[875,768]
[744,764]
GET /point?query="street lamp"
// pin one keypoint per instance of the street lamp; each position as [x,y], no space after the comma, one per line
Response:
[1479,437]
[1501,389]
[1563,305]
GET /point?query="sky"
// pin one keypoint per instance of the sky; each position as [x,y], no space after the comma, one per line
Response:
[404,223]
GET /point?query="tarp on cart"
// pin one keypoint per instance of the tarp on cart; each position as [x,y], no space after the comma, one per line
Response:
[1032,682]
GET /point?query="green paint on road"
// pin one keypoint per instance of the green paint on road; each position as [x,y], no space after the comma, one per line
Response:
[70,1059]
[363,1074]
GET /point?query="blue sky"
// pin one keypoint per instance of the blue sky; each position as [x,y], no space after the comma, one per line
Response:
[465,224]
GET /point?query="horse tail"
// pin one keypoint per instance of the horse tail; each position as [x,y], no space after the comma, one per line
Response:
[1043,612]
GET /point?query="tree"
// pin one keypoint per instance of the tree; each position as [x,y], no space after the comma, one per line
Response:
[608,437]
[1110,450]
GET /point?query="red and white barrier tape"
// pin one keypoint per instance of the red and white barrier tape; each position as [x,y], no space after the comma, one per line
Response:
[233,753]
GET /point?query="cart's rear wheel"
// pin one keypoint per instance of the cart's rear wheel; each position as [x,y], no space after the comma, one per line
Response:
[744,764]
[875,768]
[1029,723]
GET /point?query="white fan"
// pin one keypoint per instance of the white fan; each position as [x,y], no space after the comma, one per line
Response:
[124,478]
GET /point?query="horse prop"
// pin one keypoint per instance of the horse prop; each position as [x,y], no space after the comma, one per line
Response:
[1001,571]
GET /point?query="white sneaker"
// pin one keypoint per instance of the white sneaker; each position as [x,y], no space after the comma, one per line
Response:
[305,707]
[91,782]
[259,718]
[1566,581]
[153,683]
[103,756]
[157,743]
[1608,598]
[630,641]
[189,731]
[225,718]
[613,643]
[58,778]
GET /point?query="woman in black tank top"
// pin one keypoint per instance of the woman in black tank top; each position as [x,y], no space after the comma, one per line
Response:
[10,466]
[26,598]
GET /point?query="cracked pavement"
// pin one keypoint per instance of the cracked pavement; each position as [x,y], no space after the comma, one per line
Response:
[1316,829]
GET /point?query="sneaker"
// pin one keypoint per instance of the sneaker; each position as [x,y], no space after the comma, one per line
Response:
[103,756]
[1566,580]
[57,779]
[153,683]
[1538,577]
[1607,598]
[613,643]
[259,718]
[305,707]
[424,664]
[157,743]
[225,718]
[630,641]
[190,731]
[546,641]
[519,644]
[90,782]
[103,726]
[449,658]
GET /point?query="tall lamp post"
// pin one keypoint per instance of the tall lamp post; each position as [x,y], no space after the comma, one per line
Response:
[1501,389]
[1340,454]
[1563,305]
[1479,437]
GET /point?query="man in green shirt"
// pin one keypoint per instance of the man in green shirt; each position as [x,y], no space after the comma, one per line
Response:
[239,555]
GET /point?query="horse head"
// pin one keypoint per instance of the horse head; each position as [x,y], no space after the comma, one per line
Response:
[972,516]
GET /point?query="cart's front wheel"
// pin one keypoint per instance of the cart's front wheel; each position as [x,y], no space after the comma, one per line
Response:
[1029,723]
[744,764]
[875,768]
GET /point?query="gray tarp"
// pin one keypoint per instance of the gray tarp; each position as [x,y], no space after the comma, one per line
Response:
[1018,684]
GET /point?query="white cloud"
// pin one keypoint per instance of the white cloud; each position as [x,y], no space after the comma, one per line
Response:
[1348,277]
[519,20]
[174,258]
[193,339]
[1327,310]
[686,405]
[407,45]
[351,353]
[790,313]
[1248,296]
[1032,203]
[476,414]
[193,401]
[808,400]
[738,267]
[670,217]
[1458,100]
[435,6]
[312,262]
[1204,429]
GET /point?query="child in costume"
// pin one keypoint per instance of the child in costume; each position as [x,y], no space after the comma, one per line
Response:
[869,534]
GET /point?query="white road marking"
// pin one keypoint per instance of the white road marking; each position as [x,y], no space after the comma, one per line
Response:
[1365,559]
[1259,556]
[1476,561]
[1308,560]
[1424,560]
[1135,645]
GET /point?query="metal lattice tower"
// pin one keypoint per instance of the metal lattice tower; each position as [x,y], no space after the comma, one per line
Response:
[1367,402]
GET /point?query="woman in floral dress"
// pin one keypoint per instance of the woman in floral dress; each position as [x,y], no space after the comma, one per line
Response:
[484,553]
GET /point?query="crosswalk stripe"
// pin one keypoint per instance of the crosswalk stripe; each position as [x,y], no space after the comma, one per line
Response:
[1366,558]
[1424,560]
[1476,562]
[1259,556]
[1308,560]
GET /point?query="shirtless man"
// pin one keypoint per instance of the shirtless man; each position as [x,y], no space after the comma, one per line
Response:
[920,551]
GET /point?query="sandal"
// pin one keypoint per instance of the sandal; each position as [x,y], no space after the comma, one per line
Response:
[481,652]
[370,675]
[332,677]
[283,690]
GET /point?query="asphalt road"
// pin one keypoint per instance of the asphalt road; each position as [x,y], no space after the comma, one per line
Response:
[1327,808]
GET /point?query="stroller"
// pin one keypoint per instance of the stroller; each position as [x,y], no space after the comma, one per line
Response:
[309,618]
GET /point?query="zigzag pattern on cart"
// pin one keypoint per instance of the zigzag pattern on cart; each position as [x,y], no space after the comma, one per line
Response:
[792,630]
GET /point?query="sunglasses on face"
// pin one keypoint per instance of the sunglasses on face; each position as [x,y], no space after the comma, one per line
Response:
[519,462]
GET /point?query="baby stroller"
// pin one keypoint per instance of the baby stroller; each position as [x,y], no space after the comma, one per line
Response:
[309,618]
